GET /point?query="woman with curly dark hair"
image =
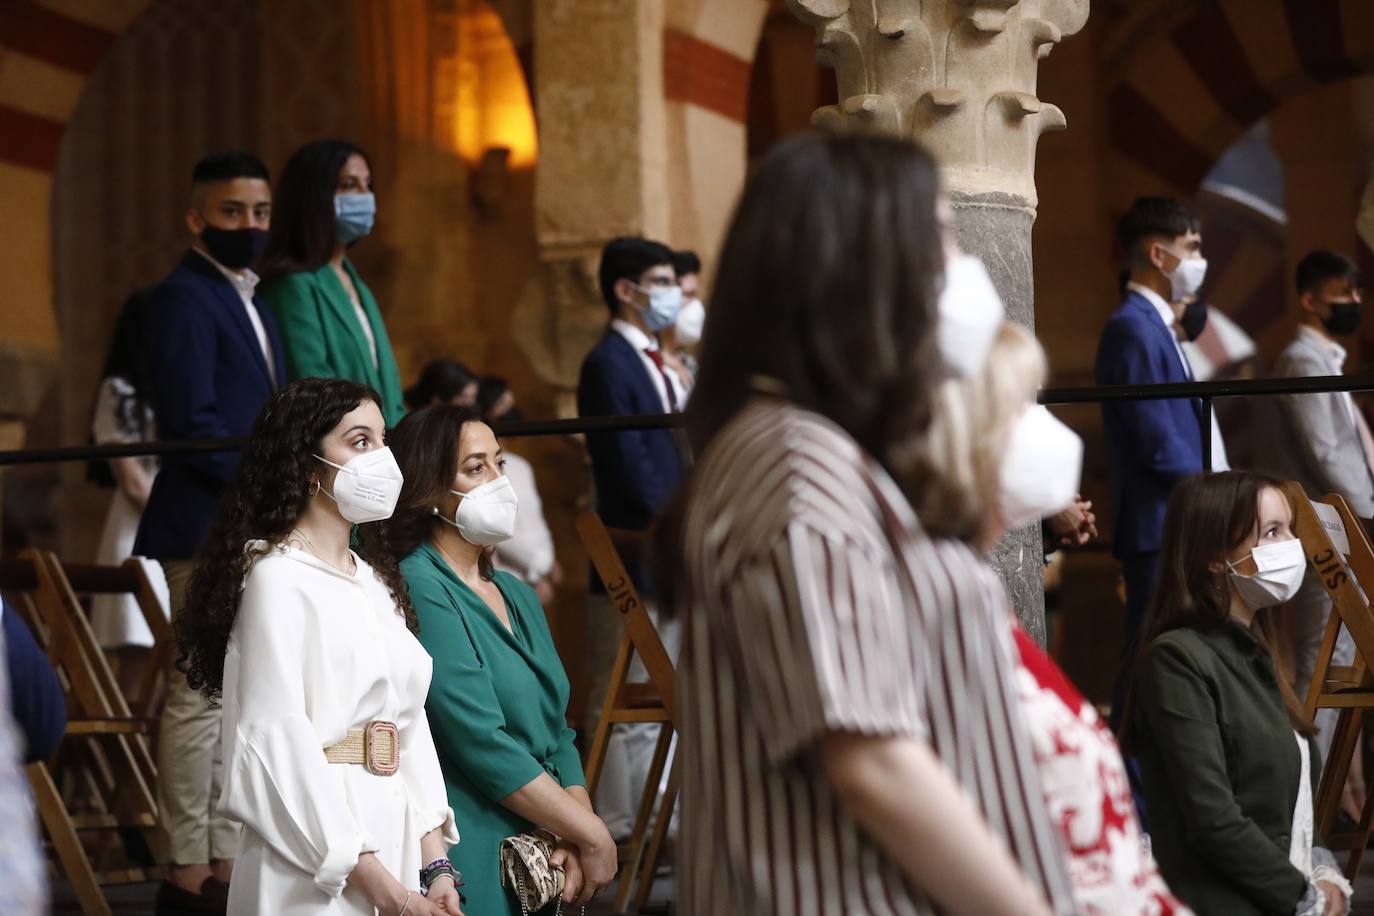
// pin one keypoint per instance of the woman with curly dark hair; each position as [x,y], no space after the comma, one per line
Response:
[499,701]
[328,760]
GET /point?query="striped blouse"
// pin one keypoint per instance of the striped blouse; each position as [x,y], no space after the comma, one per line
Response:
[814,604]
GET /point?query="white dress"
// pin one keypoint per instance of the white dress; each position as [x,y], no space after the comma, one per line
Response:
[313,653]
[118,420]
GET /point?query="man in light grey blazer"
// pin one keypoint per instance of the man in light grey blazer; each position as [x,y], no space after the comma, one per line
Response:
[1323,442]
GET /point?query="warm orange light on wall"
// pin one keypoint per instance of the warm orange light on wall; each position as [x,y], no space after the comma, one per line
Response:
[494,107]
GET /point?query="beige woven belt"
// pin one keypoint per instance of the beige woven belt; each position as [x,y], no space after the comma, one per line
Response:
[376,747]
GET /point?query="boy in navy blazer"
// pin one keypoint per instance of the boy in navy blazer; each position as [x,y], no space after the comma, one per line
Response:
[213,357]
[635,473]
[1151,445]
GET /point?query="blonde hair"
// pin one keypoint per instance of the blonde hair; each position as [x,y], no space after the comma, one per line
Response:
[971,422]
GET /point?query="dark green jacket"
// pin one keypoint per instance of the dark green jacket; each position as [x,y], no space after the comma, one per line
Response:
[322,337]
[1220,766]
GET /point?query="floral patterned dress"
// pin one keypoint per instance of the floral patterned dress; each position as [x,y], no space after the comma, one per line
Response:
[1087,794]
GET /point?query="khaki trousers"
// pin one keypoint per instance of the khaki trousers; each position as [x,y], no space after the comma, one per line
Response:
[188,761]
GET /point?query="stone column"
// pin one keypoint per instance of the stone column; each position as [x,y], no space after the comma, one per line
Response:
[959,75]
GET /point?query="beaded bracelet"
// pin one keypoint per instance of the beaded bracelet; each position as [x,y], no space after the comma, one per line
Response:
[437,869]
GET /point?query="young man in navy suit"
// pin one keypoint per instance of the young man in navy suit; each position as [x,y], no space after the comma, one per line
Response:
[1151,445]
[635,473]
[213,357]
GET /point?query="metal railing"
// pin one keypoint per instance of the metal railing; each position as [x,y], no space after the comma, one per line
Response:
[1207,392]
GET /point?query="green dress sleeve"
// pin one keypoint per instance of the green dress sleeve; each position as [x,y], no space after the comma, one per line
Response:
[1181,717]
[464,715]
[291,298]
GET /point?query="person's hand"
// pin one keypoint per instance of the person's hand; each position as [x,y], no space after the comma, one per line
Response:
[1074,525]
[565,857]
[418,906]
[444,895]
[1335,900]
[598,861]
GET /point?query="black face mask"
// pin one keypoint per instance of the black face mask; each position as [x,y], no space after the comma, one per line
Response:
[1344,318]
[234,248]
[1194,319]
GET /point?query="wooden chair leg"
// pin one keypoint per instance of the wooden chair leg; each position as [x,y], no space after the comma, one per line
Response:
[1328,800]
[67,843]
[635,849]
[661,824]
[596,754]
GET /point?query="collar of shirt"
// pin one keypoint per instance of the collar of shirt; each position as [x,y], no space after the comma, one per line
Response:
[244,281]
[637,338]
[1334,351]
[1165,310]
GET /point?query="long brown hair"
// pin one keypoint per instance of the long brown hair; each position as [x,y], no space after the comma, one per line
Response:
[827,284]
[1208,517]
[425,444]
[269,494]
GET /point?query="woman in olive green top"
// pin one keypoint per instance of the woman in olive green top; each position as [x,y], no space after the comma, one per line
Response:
[1226,755]
[499,696]
[330,324]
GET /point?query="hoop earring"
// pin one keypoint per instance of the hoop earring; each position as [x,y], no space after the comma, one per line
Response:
[315,487]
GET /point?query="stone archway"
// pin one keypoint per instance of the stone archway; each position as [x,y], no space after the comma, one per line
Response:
[1181,95]
[47,51]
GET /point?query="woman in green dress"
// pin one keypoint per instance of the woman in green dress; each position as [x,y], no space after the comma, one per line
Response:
[499,696]
[330,324]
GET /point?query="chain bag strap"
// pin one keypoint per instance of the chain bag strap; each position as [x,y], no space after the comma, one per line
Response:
[525,869]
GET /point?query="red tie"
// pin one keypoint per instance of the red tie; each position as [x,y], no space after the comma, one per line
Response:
[657,358]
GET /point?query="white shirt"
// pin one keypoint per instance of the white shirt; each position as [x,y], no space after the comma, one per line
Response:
[1335,356]
[529,552]
[1166,315]
[642,342]
[366,325]
[244,283]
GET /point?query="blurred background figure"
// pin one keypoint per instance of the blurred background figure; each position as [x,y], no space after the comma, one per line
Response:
[443,381]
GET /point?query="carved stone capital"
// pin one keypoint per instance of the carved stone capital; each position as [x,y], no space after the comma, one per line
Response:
[959,75]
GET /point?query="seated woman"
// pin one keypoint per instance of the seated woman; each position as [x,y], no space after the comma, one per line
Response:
[500,696]
[328,760]
[995,462]
[1227,757]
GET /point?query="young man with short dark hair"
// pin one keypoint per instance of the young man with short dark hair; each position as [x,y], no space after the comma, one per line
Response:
[213,358]
[635,473]
[1151,445]
[1323,442]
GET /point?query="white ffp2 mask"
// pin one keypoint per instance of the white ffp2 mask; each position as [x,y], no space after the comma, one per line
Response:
[486,514]
[367,487]
[969,315]
[1041,470]
[1186,278]
[690,322]
[1279,569]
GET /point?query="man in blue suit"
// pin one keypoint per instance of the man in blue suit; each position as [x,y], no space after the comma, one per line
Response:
[635,473]
[213,357]
[1152,445]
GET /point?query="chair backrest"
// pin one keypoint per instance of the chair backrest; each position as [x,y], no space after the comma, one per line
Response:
[639,627]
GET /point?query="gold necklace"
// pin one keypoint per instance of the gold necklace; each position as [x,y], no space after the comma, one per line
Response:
[310,547]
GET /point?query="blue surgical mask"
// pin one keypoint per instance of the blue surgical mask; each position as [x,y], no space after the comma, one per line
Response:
[353,215]
[665,303]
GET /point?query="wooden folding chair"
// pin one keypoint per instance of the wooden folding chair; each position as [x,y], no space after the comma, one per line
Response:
[628,702]
[1348,575]
[112,760]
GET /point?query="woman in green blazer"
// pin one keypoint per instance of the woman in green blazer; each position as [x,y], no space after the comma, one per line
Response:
[1227,758]
[498,699]
[330,324]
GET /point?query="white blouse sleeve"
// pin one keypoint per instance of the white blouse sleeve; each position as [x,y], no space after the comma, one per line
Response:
[276,778]
[425,780]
